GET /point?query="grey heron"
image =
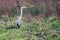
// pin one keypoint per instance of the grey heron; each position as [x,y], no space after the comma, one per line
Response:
[19,19]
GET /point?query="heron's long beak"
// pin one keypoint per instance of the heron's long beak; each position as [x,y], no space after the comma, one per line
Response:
[24,6]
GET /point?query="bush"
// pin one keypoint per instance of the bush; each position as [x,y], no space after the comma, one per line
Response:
[53,22]
[38,10]
[34,10]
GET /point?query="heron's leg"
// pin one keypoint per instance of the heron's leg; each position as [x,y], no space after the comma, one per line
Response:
[18,26]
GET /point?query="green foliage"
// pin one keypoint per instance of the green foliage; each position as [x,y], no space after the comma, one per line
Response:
[48,31]
[38,10]
[53,22]
[34,11]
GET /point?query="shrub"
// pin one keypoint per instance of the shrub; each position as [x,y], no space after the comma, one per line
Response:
[37,10]
[53,22]
[34,10]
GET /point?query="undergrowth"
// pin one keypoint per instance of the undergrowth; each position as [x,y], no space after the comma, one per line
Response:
[31,31]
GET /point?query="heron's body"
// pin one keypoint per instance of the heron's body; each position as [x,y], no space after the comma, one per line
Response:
[18,23]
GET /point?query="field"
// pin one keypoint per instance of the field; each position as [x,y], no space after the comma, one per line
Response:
[50,30]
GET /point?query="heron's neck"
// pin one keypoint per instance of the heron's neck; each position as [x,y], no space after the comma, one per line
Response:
[21,12]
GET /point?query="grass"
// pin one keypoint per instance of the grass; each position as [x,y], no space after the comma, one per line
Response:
[31,31]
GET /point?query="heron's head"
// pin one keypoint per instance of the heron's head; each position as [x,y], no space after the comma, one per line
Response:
[24,6]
